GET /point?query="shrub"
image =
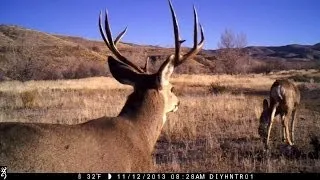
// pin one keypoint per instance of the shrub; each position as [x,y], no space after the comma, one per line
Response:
[95,48]
[217,88]
[28,98]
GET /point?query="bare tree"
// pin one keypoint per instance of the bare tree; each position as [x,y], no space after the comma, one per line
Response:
[231,54]
[230,40]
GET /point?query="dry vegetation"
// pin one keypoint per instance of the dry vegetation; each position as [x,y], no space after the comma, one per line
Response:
[215,129]
[27,54]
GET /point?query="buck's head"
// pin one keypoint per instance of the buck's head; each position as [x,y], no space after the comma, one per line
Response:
[144,83]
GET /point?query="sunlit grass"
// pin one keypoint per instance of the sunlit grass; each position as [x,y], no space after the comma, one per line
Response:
[214,132]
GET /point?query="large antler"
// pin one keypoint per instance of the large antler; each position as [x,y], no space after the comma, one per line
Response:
[107,37]
[179,59]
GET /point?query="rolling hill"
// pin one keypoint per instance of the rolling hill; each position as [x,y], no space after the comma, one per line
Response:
[27,54]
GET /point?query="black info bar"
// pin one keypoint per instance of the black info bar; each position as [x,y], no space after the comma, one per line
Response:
[151,176]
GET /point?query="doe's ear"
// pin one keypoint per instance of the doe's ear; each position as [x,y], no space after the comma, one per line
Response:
[122,73]
[165,71]
[265,104]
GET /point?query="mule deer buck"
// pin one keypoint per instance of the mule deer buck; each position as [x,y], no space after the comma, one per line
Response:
[284,101]
[117,144]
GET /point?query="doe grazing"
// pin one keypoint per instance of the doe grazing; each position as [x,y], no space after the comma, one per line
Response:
[284,101]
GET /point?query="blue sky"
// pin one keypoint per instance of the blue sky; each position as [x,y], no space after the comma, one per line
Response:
[265,22]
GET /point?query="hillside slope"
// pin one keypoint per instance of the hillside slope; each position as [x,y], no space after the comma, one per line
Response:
[27,54]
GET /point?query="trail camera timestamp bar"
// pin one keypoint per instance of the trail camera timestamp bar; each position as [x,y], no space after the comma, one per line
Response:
[124,176]
[151,176]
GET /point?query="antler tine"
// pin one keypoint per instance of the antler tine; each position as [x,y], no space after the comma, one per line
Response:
[177,39]
[103,34]
[120,36]
[107,37]
[196,46]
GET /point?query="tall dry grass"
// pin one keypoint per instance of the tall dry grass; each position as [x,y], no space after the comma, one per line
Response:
[213,131]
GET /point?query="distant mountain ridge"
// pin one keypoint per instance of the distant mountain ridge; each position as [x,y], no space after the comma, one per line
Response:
[291,52]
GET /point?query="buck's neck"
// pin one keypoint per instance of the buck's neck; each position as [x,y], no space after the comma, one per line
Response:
[146,111]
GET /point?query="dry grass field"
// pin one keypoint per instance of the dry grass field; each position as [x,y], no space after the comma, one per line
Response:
[214,130]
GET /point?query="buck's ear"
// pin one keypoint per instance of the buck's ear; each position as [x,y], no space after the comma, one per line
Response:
[122,73]
[265,104]
[165,71]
